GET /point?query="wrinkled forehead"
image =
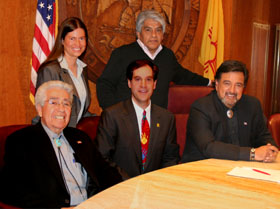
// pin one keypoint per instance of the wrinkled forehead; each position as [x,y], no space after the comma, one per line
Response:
[152,23]
[57,93]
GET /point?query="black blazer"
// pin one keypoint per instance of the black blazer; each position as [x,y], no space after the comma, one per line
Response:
[118,138]
[31,174]
[53,71]
[208,135]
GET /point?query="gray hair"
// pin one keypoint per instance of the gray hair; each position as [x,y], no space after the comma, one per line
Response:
[149,14]
[40,96]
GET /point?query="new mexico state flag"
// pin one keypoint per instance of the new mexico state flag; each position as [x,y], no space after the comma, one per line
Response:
[212,47]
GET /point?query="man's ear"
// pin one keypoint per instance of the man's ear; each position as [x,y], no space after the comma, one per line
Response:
[138,34]
[39,110]
[216,83]
[129,83]
[155,84]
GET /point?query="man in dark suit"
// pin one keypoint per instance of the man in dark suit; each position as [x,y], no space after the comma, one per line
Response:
[121,134]
[227,124]
[50,165]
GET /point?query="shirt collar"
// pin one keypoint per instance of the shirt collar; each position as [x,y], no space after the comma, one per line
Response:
[139,109]
[50,133]
[63,64]
[146,50]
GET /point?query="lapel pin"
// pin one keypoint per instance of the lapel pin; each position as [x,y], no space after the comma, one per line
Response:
[158,125]
[79,142]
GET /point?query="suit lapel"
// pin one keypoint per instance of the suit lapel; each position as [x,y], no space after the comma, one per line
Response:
[131,125]
[67,78]
[243,123]
[48,153]
[154,131]
[85,80]
[77,144]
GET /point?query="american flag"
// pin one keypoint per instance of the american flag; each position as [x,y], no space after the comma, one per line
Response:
[44,37]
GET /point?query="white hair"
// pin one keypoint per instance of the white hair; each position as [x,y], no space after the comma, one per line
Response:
[149,14]
[40,96]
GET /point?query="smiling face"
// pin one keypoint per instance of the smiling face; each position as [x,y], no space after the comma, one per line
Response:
[74,43]
[230,87]
[55,113]
[151,34]
[142,86]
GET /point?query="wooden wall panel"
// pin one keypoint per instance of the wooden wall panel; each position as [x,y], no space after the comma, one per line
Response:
[191,59]
[274,18]
[244,14]
[259,57]
[15,51]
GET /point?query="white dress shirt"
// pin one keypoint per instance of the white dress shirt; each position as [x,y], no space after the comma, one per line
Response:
[72,171]
[139,113]
[78,82]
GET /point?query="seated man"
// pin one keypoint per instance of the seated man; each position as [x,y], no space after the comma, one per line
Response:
[226,124]
[134,134]
[51,165]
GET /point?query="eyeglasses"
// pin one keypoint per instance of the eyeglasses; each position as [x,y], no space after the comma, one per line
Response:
[56,103]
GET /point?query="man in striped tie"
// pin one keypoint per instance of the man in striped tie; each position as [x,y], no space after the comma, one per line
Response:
[136,135]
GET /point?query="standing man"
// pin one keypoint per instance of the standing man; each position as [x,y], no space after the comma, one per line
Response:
[150,27]
[135,134]
[50,165]
[227,124]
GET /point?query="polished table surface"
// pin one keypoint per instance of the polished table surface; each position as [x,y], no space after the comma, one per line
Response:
[201,184]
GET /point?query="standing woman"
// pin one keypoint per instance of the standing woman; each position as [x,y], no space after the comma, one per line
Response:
[64,64]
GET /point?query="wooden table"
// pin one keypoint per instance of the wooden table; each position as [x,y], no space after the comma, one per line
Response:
[201,184]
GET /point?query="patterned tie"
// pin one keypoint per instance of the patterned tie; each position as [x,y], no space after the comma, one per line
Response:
[145,139]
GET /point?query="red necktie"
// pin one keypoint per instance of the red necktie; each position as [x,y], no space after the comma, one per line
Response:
[145,136]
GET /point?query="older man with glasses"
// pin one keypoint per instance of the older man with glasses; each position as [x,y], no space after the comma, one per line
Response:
[50,165]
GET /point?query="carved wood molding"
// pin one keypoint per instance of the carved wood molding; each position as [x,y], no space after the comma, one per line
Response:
[111,23]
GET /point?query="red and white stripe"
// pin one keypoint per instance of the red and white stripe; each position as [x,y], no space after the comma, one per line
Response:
[43,42]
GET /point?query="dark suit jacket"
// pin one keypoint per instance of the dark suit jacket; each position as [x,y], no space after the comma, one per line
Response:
[53,71]
[118,138]
[31,174]
[208,133]
[112,85]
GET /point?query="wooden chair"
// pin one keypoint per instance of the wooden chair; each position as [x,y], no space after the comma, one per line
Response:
[89,125]
[180,99]
[274,127]
[4,132]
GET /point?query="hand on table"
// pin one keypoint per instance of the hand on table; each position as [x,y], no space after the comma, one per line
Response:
[266,153]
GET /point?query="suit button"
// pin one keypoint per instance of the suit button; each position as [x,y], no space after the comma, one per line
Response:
[67,201]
